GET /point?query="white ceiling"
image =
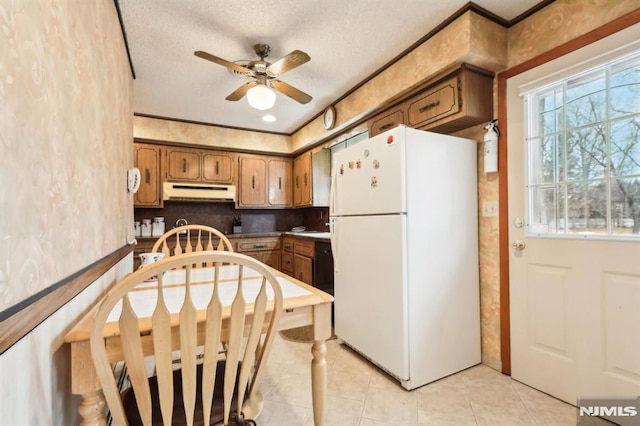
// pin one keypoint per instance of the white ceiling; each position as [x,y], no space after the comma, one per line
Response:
[347,41]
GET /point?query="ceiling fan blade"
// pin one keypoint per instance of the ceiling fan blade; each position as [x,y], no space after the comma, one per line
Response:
[235,67]
[290,91]
[241,91]
[287,63]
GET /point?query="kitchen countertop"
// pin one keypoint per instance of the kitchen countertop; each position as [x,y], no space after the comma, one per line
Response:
[317,235]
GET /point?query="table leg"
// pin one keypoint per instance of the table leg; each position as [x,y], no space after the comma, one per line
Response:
[318,380]
[84,382]
[91,409]
[321,332]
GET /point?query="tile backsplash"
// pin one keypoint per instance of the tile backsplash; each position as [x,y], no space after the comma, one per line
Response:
[221,215]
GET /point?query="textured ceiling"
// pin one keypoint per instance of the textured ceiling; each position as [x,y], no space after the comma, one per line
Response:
[347,41]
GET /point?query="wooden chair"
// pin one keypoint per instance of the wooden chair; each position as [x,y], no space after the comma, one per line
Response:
[225,385]
[195,238]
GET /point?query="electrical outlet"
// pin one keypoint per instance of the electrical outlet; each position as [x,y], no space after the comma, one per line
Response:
[489,208]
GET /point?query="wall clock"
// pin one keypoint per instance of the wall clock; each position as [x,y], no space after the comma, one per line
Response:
[329,118]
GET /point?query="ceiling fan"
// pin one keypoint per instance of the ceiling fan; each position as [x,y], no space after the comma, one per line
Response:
[263,74]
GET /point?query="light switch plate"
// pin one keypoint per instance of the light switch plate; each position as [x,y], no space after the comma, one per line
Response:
[489,208]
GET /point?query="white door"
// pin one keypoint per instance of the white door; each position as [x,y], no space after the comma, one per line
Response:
[370,288]
[574,299]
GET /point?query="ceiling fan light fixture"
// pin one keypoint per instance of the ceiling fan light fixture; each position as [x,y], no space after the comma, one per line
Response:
[261,97]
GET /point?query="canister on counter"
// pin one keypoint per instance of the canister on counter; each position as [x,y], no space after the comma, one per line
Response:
[158,226]
[145,228]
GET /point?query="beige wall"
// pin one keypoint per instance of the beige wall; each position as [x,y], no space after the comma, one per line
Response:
[65,146]
[470,38]
[209,136]
[560,22]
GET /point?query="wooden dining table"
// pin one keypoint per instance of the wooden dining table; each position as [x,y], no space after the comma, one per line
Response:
[303,305]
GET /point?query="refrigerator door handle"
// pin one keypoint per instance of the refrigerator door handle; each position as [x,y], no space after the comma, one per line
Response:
[334,236]
[332,193]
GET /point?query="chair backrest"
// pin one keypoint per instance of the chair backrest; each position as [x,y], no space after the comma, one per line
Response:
[191,238]
[224,310]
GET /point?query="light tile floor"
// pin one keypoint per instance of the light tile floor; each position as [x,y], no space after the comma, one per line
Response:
[360,394]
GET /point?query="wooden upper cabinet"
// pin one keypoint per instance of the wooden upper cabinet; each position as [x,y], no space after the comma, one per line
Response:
[264,181]
[302,180]
[441,101]
[147,158]
[183,164]
[312,179]
[200,165]
[386,121]
[252,176]
[458,98]
[217,167]
[279,182]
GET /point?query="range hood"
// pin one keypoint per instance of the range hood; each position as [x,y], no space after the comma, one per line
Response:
[175,191]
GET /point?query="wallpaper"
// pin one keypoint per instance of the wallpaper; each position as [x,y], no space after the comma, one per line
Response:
[561,21]
[189,133]
[470,38]
[65,141]
[65,146]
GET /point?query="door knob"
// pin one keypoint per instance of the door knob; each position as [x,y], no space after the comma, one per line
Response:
[518,245]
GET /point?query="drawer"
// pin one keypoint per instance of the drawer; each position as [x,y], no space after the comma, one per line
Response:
[386,122]
[440,102]
[287,263]
[255,244]
[304,248]
[287,244]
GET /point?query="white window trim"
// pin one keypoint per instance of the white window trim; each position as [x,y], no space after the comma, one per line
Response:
[615,46]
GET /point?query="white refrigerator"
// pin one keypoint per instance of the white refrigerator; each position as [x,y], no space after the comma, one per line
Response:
[404,234]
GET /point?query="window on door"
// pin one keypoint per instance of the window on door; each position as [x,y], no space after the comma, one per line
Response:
[583,153]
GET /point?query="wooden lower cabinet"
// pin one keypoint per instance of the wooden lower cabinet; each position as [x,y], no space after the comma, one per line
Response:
[297,258]
[287,255]
[270,257]
[303,268]
[265,249]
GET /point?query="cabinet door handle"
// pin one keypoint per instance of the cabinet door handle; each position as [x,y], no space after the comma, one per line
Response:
[184,165]
[288,246]
[279,183]
[253,182]
[297,181]
[386,126]
[147,176]
[217,167]
[429,106]
[305,180]
[261,245]
[300,276]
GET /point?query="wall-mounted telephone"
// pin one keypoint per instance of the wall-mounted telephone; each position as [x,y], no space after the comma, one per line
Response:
[133,180]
